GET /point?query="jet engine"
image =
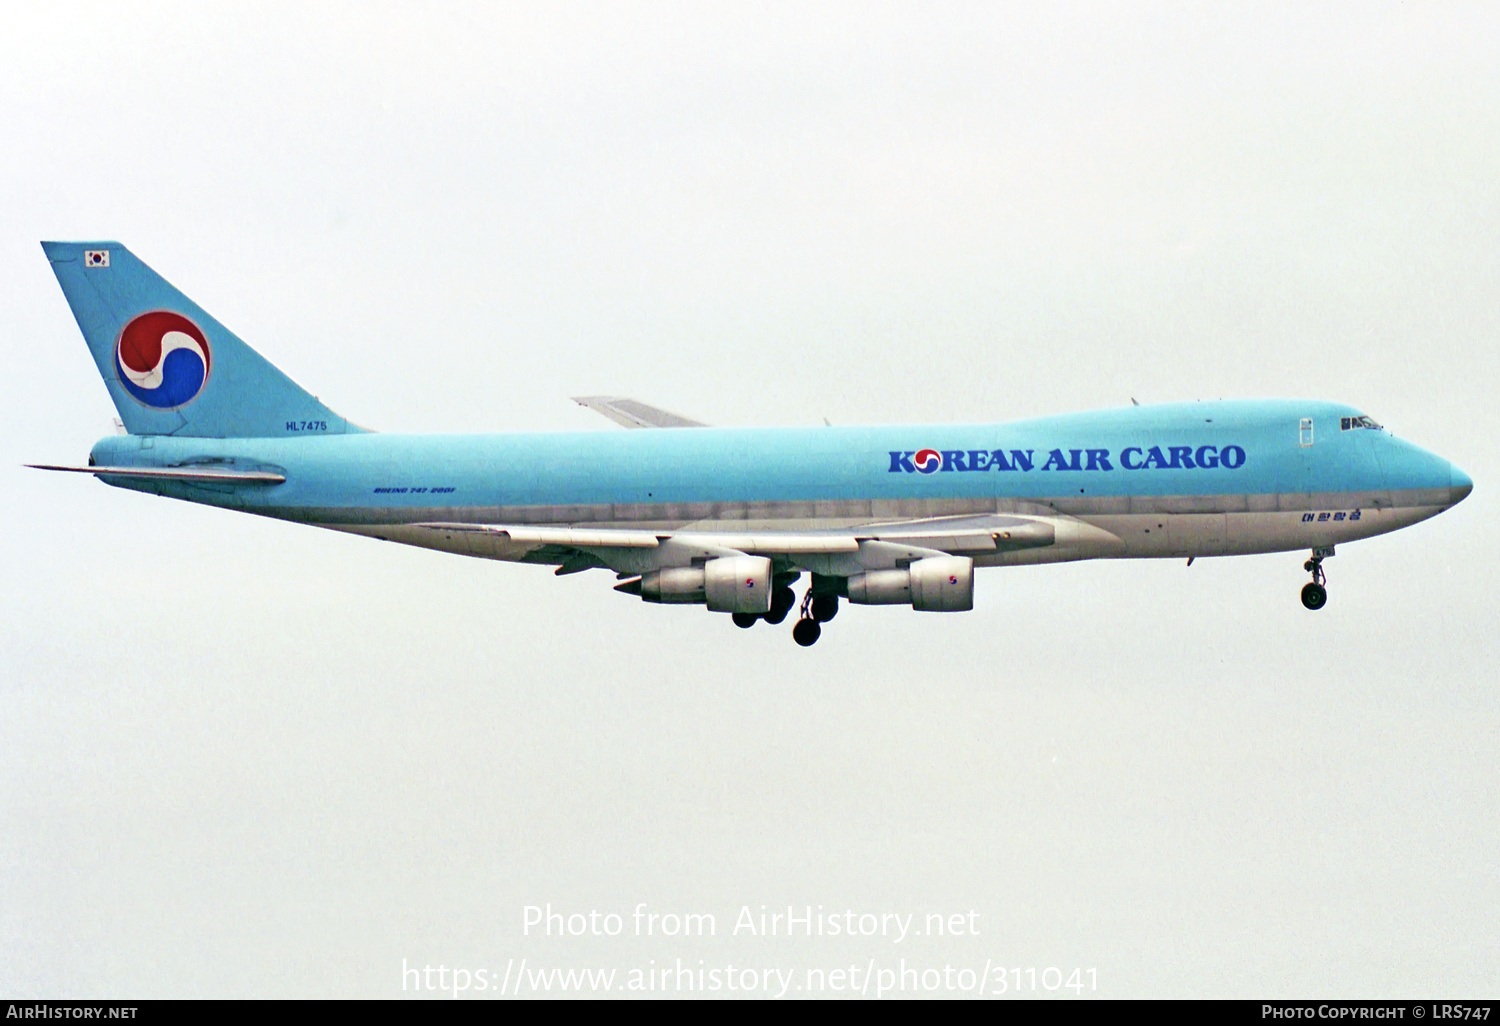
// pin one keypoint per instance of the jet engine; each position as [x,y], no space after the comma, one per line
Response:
[729,584]
[937,584]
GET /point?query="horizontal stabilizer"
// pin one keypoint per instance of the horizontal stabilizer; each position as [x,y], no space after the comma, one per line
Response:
[633,414]
[199,474]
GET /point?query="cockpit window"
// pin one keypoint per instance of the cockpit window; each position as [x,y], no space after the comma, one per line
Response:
[1353,423]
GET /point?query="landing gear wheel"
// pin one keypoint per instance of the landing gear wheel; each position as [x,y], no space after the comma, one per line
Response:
[824,607]
[744,619]
[782,601]
[806,632]
[1315,592]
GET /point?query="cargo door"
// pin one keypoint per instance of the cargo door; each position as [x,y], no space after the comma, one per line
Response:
[1294,479]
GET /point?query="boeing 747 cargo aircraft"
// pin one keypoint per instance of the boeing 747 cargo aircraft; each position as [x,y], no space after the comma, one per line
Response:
[732,518]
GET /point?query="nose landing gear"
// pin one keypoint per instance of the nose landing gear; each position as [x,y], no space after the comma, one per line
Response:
[1315,592]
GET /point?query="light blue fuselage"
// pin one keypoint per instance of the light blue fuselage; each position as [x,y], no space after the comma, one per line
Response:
[1205,478]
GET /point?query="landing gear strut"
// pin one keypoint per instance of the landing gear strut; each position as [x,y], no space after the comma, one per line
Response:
[807,630]
[1315,592]
[818,607]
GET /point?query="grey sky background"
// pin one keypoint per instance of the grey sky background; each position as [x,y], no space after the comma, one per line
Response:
[239,757]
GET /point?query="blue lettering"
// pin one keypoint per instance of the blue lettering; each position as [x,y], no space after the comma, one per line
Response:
[1099,460]
[1307,517]
[1125,458]
[1208,455]
[1154,458]
[1022,458]
[1182,457]
[1232,456]
[978,459]
[901,461]
[953,459]
[1055,460]
[1322,517]
[1354,515]
[997,461]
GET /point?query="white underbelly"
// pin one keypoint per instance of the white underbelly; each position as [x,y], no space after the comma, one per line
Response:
[1233,534]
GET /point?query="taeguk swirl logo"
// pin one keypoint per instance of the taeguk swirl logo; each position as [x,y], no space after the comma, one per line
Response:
[927,461]
[162,359]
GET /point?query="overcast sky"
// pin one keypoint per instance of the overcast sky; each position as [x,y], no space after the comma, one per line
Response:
[240,757]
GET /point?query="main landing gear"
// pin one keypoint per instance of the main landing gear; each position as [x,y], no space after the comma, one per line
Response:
[818,607]
[782,601]
[1315,592]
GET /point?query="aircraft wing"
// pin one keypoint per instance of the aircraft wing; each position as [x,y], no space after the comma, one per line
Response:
[835,551]
[634,414]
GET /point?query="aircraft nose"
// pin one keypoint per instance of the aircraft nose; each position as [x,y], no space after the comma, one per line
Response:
[1459,485]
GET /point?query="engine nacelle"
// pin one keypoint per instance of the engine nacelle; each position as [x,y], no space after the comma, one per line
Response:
[937,584]
[881,588]
[943,584]
[729,584]
[675,584]
[738,584]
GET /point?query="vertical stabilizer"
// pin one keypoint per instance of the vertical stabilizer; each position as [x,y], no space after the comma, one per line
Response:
[170,367]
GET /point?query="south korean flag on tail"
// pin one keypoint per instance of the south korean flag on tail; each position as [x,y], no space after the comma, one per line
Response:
[96,258]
